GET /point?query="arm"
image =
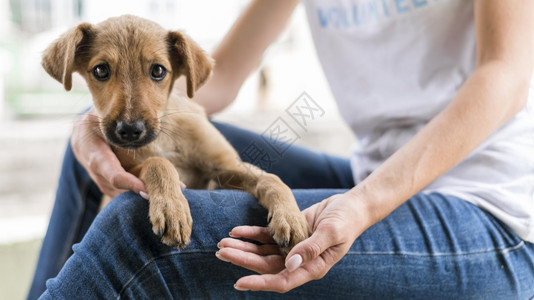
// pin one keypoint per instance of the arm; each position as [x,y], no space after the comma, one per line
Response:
[493,94]
[241,50]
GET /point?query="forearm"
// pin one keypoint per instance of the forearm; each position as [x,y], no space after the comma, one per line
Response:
[240,52]
[488,99]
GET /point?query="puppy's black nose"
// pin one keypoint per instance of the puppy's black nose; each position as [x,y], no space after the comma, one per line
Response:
[130,132]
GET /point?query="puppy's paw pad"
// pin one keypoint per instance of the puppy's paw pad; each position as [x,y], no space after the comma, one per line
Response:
[288,228]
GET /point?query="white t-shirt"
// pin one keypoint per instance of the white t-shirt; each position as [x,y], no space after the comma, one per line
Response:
[392,66]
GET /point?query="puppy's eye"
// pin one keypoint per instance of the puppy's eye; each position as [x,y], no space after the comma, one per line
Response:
[101,72]
[158,72]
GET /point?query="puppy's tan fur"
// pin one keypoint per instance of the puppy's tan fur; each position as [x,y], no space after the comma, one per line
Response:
[185,145]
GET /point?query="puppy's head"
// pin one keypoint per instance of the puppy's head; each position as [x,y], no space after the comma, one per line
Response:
[130,65]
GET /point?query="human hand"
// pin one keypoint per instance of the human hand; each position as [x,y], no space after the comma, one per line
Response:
[95,155]
[336,222]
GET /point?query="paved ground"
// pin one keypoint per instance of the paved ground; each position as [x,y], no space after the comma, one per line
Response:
[30,160]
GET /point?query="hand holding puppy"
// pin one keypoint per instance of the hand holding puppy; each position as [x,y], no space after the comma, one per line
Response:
[95,155]
[336,223]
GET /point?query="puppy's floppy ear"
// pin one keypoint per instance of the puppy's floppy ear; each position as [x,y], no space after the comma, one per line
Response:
[60,59]
[188,59]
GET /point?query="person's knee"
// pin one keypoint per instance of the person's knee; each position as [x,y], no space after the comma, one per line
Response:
[126,204]
[124,216]
[213,213]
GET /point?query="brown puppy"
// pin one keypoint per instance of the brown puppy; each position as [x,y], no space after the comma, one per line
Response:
[130,65]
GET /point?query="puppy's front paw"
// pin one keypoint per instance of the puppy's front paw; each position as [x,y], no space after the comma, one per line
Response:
[288,228]
[171,219]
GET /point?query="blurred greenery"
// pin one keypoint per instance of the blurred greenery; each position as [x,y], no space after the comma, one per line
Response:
[47,103]
[24,101]
[17,264]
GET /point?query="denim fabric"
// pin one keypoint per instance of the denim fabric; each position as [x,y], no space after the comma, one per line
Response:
[76,205]
[431,247]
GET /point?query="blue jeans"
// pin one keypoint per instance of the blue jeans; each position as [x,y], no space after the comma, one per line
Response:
[431,247]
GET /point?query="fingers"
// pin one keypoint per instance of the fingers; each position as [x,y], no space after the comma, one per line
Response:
[123,180]
[312,258]
[256,233]
[263,259]
[289,277]
[310,248]
[96,156]
[285,280]
[105,187]
[309,260]
[268,249]
[263,264]
[281,282]
[111,174]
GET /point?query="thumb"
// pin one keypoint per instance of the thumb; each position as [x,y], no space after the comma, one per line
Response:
[308,249]
[110,167]
[126,181]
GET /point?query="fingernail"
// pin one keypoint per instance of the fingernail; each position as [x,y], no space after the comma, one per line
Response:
[144,195]
[293,262]
[218,255]
[219,245]
[240,289]
[230,234]
[182,185]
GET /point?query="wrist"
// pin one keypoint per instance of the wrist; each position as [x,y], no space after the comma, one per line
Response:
[367,204]
[361,209]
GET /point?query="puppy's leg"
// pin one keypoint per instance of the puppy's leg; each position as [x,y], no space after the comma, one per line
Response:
[168,211]
[287,223]
[221,163]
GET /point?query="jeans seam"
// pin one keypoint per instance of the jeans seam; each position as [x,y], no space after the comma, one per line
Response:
[152,260]
[502,251]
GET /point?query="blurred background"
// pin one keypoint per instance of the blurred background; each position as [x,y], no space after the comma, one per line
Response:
[36,113]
